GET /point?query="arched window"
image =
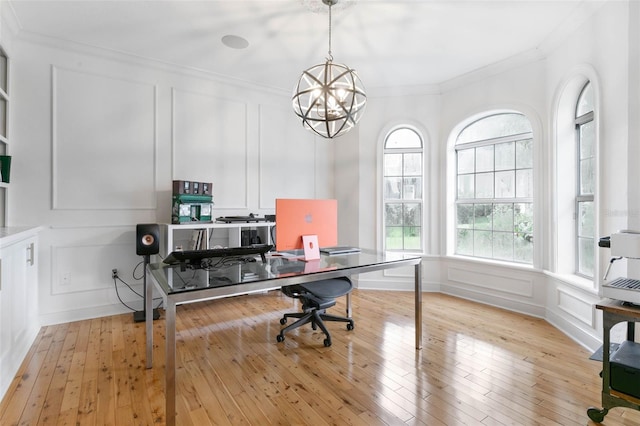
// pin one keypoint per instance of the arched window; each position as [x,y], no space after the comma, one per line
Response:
[494,189]
[586,178]
[402,183]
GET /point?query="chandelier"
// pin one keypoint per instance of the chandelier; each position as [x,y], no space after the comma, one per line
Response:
[329,98]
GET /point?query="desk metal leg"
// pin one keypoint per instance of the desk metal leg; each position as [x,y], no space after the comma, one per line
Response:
[148,309]
[170,362]
[418,307]
[349,310]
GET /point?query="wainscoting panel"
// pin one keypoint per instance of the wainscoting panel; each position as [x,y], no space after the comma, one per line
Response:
[494,281]
[210,145]
[104,142]
[576,306]
[82,259]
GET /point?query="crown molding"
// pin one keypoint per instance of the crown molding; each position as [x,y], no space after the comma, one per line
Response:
[129,58]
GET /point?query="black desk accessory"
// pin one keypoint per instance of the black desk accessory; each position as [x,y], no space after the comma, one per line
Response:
[147,243]
[194,258]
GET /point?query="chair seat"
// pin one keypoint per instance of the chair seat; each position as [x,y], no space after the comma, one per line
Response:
[316,297]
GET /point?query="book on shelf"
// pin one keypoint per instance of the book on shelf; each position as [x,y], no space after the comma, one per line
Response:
[198,239]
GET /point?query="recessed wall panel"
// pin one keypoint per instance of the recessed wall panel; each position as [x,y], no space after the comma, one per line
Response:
[575,306]
[104,147]
[210,145]
[82,259]
[492,281]
[287,157]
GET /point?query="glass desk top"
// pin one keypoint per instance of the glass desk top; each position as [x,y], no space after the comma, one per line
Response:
[193,285]
[174,280]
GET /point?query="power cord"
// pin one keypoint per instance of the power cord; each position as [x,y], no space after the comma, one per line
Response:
[117,278]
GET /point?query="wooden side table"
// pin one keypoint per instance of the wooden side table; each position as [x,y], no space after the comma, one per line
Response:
[614,312]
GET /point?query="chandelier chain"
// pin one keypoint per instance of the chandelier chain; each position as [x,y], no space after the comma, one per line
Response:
[330,55]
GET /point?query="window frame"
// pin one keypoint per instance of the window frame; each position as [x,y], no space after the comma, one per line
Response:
[511,202]
[416,200]
[580,197]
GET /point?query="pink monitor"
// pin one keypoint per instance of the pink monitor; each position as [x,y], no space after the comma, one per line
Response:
[298,217]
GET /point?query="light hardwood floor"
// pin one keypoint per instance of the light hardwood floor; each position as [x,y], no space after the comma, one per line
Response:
[479,366]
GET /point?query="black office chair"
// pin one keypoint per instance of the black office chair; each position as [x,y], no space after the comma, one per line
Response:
[316,298]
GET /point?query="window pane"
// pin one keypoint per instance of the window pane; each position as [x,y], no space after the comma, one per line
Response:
[412,188]
[393,215]
[523,220]
[495,126]
[393,164]
[392,188]
[587,176]
[505,156]
[466,187]
[585,219]
[464,242]
[523,242]
[524,154]
[412,214]
[503,245]
[465,216]
[484,185]
[483,243]
[585,101]
[524,183]
[587,158]
[484,159]
[466,161]
[403,138]
[523,248]
[587,140]
[586,256]
[393,238]
[505,184]
[482,216]
[412,237]
[412,164]
[503,217]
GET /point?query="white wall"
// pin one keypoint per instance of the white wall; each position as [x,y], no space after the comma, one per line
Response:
[530,85]
[99,137]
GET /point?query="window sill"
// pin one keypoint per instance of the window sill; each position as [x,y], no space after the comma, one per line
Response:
[493,262]
[576,281]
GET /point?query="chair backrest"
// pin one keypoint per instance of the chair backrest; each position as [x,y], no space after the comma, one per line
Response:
[329,289]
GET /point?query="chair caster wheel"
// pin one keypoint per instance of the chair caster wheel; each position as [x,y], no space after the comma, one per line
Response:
[327,343]
[350,326]
[280,338]
[597,415]
[283,321]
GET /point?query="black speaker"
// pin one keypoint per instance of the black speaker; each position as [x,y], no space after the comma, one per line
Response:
[147,239]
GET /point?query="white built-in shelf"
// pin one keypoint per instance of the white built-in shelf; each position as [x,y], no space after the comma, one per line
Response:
[181,236]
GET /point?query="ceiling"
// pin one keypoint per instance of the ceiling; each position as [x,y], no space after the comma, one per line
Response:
[391,43]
